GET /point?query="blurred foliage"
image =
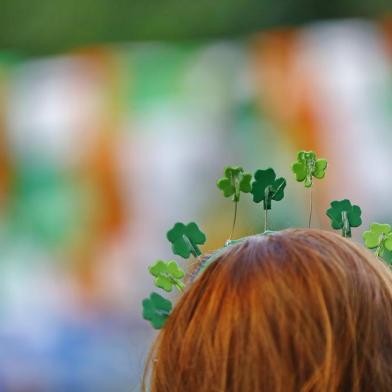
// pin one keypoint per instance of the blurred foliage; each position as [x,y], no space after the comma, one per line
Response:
[44,26]
[49,207]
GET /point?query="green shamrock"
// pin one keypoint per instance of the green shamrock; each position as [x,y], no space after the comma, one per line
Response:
[156,309]
[185,238]
[307,166]
[167,274]
[234,182]
[380,237]
[387,256]
[343,216]
[266,187]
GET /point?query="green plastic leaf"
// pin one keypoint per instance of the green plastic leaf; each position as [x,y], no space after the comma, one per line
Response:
[376,235]
[234,182]
[156,309]
[344,215]
[308,166]
[379,237]
[387,256]
[320,168]
[167,274]
[266,187]
[388,242]
[185,239]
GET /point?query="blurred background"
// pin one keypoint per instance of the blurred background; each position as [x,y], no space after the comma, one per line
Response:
[116,119]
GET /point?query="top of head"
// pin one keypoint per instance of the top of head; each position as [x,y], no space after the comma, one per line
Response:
[288,247]
[230,245]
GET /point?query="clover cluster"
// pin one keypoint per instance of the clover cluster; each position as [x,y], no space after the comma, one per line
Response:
[265,187]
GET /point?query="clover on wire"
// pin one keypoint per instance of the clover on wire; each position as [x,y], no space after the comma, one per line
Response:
[344,216]
[305,168]
[185,239]
[308,166]
[234,181]
[266,187]
[379,237]
[156,310]
[167,274]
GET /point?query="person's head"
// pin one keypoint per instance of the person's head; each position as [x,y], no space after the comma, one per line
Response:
[298,310]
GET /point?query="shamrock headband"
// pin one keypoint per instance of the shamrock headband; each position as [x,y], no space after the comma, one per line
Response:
[265,187]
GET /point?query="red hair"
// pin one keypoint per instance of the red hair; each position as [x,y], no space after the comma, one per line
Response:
[298,310]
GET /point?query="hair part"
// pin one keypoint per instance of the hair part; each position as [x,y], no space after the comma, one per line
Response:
[298,310]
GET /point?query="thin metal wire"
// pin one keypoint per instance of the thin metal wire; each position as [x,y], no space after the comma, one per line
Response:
[310,207]
[265,219]
[379,246]
[200,263]
[234,220]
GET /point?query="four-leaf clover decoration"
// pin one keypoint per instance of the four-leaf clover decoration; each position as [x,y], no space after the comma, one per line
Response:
[156,309]
[266,187]
[185,239]
[343,216]
[379,237]
[234,182]
[307,166]
[167,274]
